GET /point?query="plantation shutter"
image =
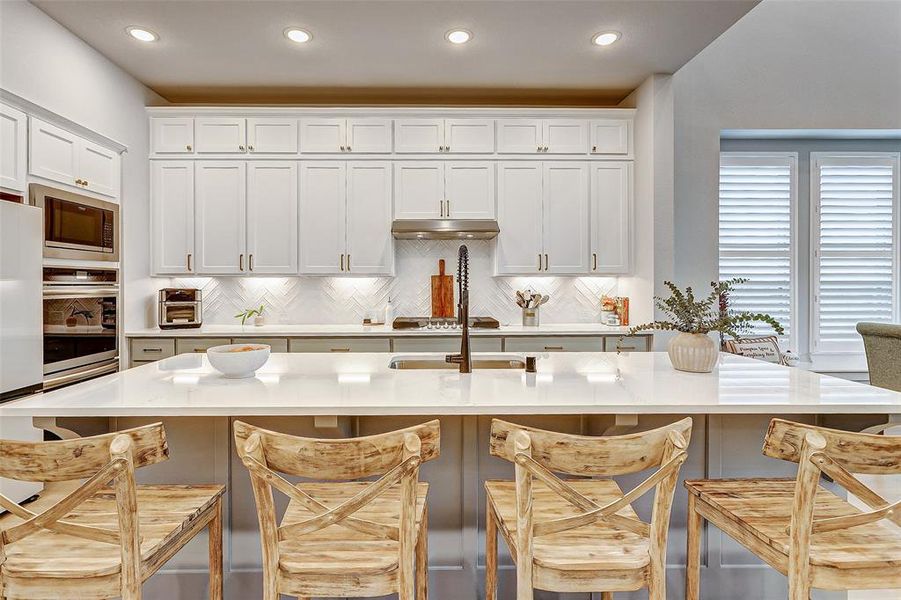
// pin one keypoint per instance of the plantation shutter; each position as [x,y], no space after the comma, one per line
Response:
[756,218]
[855,237]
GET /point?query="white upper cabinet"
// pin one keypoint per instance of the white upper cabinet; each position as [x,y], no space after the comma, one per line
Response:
[419,190]
[566,234]
[272,136]
[172,135]
[519,247]
[345,135]
[172,216]
[64,157]
[13,149]
[469,190]
[542,136]
[611,136]
[220,135]
[611,218]
[272,217]
[322,218]
[429,136]
[220,202]
[370,246]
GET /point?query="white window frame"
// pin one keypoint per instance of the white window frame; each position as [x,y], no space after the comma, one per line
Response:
[767,159]
[894,158]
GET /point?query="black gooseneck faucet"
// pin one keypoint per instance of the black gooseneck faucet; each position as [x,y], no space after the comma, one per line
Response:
[464,358]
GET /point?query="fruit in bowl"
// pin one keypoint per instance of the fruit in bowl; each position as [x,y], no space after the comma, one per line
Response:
[237,361]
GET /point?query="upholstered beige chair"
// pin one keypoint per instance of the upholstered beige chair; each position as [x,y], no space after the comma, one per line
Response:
[883,344]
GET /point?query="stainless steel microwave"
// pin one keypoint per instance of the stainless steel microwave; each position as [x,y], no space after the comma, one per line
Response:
[75,226]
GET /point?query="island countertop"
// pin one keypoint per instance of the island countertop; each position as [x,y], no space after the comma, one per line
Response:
[363,384]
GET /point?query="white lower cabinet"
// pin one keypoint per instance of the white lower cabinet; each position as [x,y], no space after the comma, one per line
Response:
[172,216]
[345,218]
[13,149]
[611,218]
[543,218]
[272,217]
[221,205]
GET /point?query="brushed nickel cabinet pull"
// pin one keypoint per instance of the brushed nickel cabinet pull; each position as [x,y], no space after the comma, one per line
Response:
[189,261]
[348,149]
[342,262]
[447,207]
[595,256]
[241,148]
[189,147]
[348,262]
[241,262]
[553,347]
[250,262]
[547,265]
[539,148]
[153,350]
[342,148]
[539,261]
[250,148]
[339,349]
[594,148]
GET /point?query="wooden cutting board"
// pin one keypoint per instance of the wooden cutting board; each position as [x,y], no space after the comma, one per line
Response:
[442,293]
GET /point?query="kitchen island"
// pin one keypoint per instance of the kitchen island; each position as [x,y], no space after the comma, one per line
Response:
[332,395]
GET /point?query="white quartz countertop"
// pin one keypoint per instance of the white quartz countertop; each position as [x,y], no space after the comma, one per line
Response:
[363,384]
[359,330]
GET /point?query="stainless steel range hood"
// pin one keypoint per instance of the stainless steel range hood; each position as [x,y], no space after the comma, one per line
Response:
[444,229]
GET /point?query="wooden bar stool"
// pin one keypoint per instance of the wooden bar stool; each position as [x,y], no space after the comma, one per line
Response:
[100,541]
[582,535]
[799,528]
[347,538]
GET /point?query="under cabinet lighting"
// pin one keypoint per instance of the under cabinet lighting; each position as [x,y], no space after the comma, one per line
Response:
[458,36]
[605,38]
[144,35]
[300,36]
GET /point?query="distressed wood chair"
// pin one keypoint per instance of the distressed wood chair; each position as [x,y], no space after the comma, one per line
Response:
[582,535]
[109,535]
[342,538]
[799,528]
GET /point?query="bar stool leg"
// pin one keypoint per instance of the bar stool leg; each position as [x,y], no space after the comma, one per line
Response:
[422,557]
[693,551]
[490,554]
[215,533]
[606,595]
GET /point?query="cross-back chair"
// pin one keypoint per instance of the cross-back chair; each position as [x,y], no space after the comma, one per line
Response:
[342,538]
[798,527]
[582,535]
[108,535]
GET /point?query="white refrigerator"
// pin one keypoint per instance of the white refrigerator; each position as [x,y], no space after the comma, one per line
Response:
[21,324]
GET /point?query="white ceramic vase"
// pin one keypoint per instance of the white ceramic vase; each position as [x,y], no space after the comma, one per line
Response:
[693,352]
[259,321]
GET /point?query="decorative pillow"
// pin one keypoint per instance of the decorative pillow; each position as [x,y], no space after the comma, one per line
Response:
[764,348]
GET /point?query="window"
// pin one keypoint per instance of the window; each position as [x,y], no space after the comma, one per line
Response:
[757,206]
[854,234]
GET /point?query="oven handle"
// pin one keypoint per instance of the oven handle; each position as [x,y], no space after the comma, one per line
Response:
[80,292]
[55,382]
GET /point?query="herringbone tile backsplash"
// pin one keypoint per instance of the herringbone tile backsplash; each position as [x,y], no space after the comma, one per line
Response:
[339,300]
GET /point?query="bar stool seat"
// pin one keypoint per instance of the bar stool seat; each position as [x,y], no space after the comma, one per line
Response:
[168,513]
[760,509]
[598,546]
[338,550]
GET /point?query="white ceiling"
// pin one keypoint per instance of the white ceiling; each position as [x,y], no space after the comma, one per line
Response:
[390,50]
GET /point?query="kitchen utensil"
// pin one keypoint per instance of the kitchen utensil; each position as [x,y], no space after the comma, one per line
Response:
[520,299]
[442,293]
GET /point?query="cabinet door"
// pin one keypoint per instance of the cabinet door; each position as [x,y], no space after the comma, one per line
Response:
[610,136]
[322,218]
[273,136]
[171,135]
[611,207]
[369,135]
[519,136]
[53,153]
[99,168]
[220,135]
[172,216]
[370,247]
[220,196]
[518,245]
[13,144]
[469,135]
[469,190]
[566,227]
[418,190]
[418,135]
[272,217]
[565,136]
[322,135]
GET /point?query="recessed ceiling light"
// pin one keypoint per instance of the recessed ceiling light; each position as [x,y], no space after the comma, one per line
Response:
[299,36]
[145,35]
[458,36]
[605,38]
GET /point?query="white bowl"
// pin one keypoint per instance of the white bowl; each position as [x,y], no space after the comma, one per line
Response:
[235,364]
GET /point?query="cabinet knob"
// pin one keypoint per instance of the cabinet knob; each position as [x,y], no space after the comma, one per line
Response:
[594,148]
[84,182]
[348,149]
[342,148]
[250,148]
[189,147]
[241,148]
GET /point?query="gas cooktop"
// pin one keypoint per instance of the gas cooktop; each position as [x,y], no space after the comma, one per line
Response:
[443,323]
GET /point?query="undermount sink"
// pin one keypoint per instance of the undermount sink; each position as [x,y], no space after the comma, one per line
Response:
[484,361]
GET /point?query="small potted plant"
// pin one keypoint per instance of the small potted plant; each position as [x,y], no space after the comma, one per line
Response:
[693,350]
[256,313]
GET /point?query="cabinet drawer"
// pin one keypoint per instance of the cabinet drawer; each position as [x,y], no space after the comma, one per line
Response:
[554,344]
[183,345]
[629,343]
[445,344]
[339,345]
[275,344]
[150,349]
